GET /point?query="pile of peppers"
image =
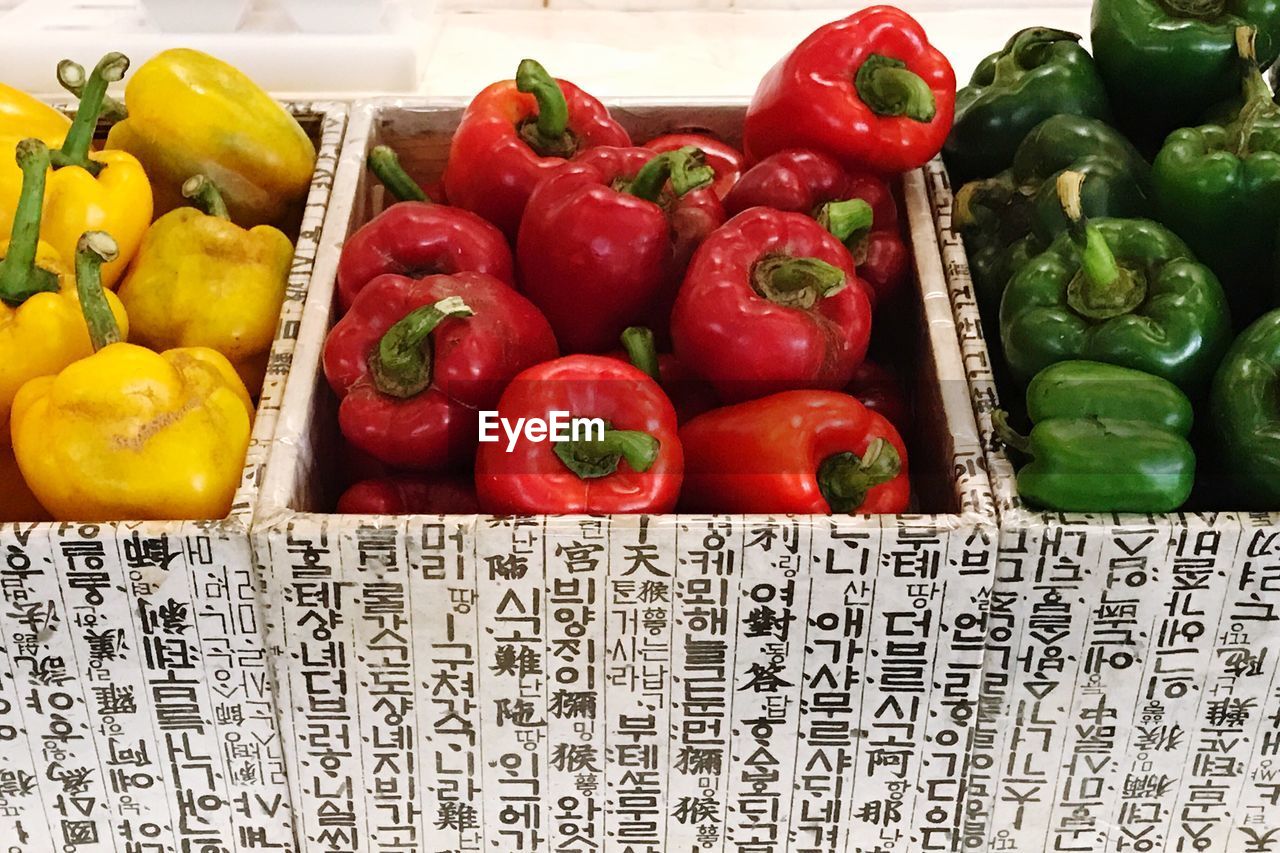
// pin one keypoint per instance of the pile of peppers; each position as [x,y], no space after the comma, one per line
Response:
[140,286]
[697,316]
[1121,213]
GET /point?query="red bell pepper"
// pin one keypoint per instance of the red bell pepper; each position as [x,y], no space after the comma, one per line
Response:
[771,303]
[415,237]
[414,360]
[815,184]
[869,90]
[688,394]
[605,240]
[805,452]
[635,465]
[441,494]
[516,131]
[880,389]
[723,158]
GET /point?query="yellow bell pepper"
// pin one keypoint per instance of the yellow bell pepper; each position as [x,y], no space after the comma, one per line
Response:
[89,191]
[16,501]
[201,280]
[193,114]
[22,116]
[42,329]
[128,433]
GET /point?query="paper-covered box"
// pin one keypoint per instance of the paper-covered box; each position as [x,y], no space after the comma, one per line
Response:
[136,706]
[1131,695]
[625,683]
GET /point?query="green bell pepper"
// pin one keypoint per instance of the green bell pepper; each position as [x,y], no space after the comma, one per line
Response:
[1218,188]
[1120,291]
[1092,464]
[1166,62]
[1040,73]
[1008,219]
[1094,389]
[1245,410]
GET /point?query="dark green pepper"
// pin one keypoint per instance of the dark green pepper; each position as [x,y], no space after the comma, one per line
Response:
[1040,73]
[1218,188]
[1102,465]
[1245,410]
[1166,62]
[1121,291]
[997,216]
[1093,389]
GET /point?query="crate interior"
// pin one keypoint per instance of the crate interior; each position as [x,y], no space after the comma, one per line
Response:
[421,138]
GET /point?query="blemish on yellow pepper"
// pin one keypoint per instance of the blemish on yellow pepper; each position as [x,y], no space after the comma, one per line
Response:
[89,190]
[42,329]
[201,280]
[22,116]
[128,433]
[193,114]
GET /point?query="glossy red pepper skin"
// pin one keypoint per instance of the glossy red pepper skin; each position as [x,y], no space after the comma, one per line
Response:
[803,181]
[747,346]
[443,494]
[493,171]
[532,480]
[413,238]
[596,260]
[763,456]
[880,389]
[472,360]
[689,395]
[722,157]
[810,98]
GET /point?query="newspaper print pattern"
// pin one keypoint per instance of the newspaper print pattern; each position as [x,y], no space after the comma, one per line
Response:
[633,684]
[1129,697]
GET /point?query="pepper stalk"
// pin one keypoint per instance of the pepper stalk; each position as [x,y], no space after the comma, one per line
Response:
[849,221]
[1258,100]
[1103,288]
[75,147]
[385,165]
[593,458]
[20,276]
[686,168]
[890,89]
[845,478]
[204,194]
[400,365]
[93,250]
[642,350]
[796,282]
[548,133]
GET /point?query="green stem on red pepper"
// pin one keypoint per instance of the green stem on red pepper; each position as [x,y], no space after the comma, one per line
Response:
[204,193]
[1103,288]
[401,365]
[385,165]
[71,77]
[889,88]
[796,282]
[75,148]
[845,478]
[642,350]
[548,133]
[849,221]
[20,276]
[685,168]
[94,249]
[592,458]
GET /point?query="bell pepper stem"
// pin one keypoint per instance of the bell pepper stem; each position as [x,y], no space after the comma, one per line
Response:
[385,165]
[849,221]
[1019,54]
[20,277]
[401,364]
[594,457]
[1258,101]
[204,193]
[1007,435]
[75,148]
[1205,10]
[641,349]
[685,167]
[890,89]
[1103,288]
[796,282]
[845,478]
[71,77]
[94,249]
[549,134]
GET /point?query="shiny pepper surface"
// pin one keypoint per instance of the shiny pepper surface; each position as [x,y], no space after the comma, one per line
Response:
[200,280]
[1245,415]
[23,117]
